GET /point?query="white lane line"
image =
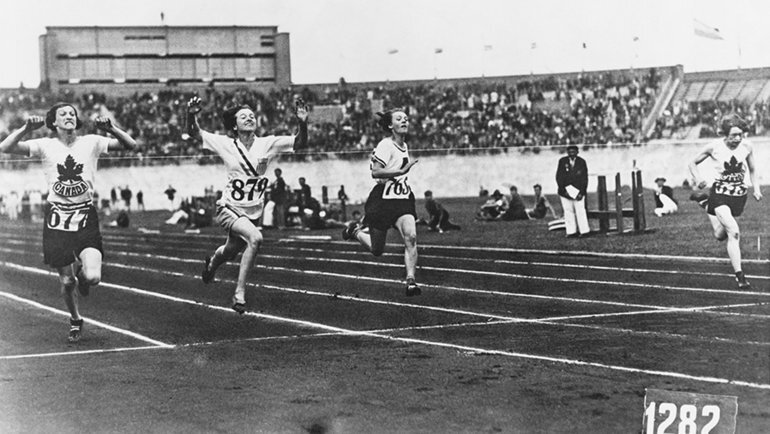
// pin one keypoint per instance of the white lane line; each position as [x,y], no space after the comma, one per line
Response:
[491,273]
[454,346]
[61,312]
[469,290]
[583,253]
[537,263]
[553,252]
[496,261]
[84,352]
[525,276]
[546,321]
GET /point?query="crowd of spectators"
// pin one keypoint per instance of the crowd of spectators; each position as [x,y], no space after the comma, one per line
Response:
[683,116]
[595,108]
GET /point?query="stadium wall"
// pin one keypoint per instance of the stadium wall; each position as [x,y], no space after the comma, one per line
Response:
[447,176]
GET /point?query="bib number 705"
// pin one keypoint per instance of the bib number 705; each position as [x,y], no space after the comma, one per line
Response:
[396,189]
[69,221]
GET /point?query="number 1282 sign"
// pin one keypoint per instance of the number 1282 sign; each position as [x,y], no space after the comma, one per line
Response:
[667,412]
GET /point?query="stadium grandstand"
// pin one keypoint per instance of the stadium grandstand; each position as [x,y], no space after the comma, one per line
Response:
[142,77]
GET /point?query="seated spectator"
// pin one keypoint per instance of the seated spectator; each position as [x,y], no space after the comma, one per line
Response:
[438,219]
[493,208]
[664,199]
[542,206]
[516,209]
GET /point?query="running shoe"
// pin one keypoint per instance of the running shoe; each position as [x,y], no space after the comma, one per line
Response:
[411,288]
[701,198]
[76,329]
[742,282]
[240,308]
[207,275]
[350,230]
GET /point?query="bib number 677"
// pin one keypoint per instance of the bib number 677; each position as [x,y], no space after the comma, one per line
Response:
[69,221]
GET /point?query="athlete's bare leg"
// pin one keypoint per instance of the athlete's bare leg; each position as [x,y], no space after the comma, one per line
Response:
[252,237]
[408,228]
[374,241]
[733,234]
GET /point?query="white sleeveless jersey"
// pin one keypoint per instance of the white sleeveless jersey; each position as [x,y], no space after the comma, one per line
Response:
[392,156]
[69,169]
[730,166]
[246,167]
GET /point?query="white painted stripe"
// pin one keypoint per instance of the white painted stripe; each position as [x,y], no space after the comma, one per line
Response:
[563,252]
[466,259]
[682,258]
[470,290]
[61,312]
[80,353]
[653,309]
[524,276]
[472,349]
[535,263]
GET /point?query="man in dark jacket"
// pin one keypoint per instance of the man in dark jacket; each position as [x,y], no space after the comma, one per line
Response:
[279,195]
[572,180]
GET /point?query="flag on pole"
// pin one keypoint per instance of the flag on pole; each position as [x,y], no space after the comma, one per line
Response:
[438,50]
[393,51]
[704,30]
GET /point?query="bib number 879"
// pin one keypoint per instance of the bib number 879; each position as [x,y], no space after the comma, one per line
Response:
[245,189]
[687,416]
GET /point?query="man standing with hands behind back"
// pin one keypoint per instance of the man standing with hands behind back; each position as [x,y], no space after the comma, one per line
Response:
[572,180]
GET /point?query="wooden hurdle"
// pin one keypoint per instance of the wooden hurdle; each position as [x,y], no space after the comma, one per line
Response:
[604,214]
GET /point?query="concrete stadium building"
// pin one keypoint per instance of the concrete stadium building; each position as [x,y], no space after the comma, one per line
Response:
[129,59]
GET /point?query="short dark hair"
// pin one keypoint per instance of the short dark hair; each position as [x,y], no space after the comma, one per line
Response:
[428,193]
[730,121]
[570,147]
[386,118]
[537,186]
[50,116]
[228,115]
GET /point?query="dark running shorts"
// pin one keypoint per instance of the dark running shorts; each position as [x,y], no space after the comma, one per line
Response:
[76,231]
[381,214]
[736,203]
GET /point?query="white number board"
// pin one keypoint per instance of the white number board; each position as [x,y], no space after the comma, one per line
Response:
[667,412]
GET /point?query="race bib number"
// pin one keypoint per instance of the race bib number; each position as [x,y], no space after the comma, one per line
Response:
[247,191]
[68,221]
[396,189]
[688,413]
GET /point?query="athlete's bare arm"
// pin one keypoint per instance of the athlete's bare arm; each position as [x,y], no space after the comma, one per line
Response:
[300,140]
[379,171]
[693,166]
[13,144]
[753,174]
[193,108]
[121,137]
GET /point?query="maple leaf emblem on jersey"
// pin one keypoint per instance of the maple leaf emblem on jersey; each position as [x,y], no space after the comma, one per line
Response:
[70,171]
[733,166]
